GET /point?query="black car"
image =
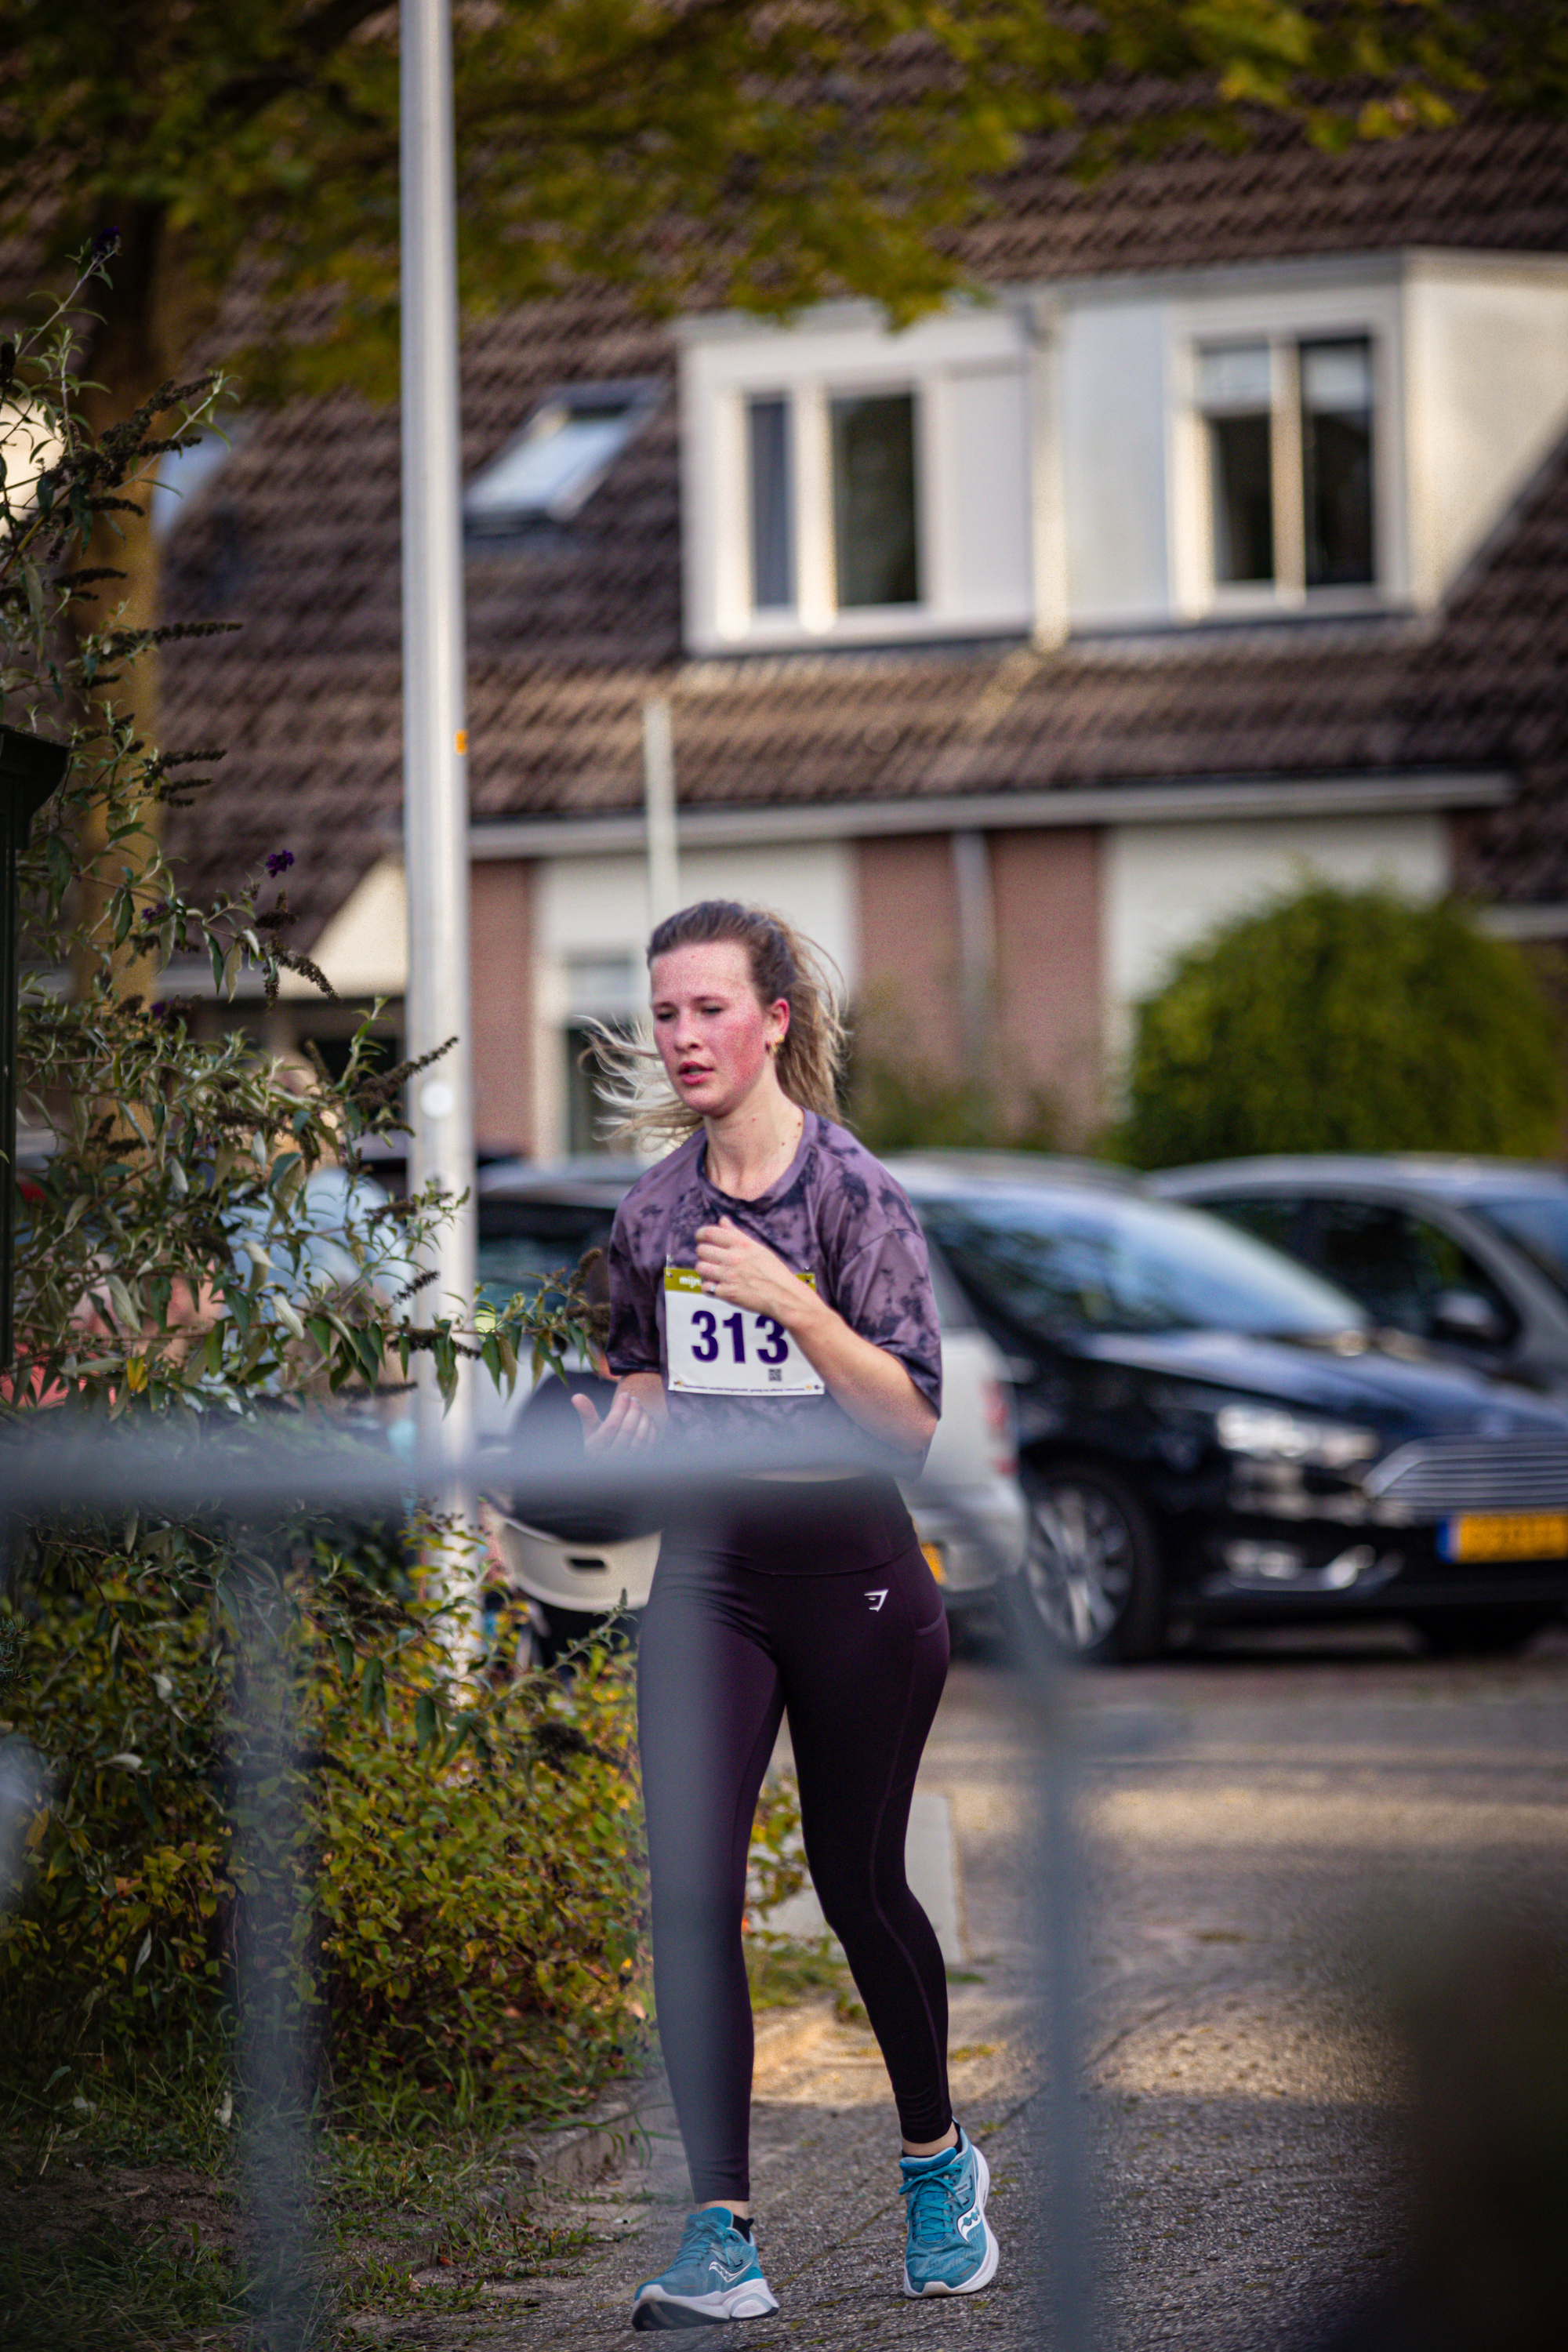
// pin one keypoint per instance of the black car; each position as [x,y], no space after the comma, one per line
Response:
[1208,1432]
[1470,1256]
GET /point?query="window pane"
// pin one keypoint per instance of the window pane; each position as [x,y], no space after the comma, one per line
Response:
[1269,1217]
[584,1073]
[772,505]
[550,468]
[874,531]
[1336,461]
[1235,376]
[1053,1262]
[1397,1265]
[1241,481]
[1539,1226]
[522,1243]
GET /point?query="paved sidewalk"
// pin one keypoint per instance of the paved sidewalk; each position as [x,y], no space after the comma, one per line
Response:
[1264,1832]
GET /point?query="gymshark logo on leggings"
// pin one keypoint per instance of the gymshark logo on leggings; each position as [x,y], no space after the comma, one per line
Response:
[877,1599]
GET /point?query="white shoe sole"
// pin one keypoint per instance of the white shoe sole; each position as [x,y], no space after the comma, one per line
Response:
[993,2255]
[654,2308]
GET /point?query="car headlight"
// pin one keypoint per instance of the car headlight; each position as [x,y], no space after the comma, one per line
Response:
[1268,1434]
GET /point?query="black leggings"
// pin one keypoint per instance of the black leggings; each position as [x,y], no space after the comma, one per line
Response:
[858,1661]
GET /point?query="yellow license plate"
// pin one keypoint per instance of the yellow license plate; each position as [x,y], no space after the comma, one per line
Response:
[1506,1535]
[935,1562]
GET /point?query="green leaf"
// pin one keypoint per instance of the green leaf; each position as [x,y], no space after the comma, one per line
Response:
[427,1722]
[58,859]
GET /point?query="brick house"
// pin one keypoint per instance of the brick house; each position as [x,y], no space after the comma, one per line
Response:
[1227,536]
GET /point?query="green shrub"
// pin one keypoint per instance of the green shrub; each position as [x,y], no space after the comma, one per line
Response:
[1341,1020]
[475,1903]
[479,1906]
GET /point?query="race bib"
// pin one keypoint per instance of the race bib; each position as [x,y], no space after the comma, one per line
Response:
[723,1350]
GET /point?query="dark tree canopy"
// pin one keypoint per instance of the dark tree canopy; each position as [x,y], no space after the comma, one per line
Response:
[772,154]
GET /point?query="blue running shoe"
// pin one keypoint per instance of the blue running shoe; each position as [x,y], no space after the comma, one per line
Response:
[951,2247]
[715,2276]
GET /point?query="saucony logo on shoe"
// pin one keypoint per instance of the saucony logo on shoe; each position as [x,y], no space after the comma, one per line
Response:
[729,2277]
[969,2222]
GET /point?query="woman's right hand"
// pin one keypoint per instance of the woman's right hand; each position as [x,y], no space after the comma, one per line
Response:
[633,1419]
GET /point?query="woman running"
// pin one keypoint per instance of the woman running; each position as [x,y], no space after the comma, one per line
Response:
[769,1283]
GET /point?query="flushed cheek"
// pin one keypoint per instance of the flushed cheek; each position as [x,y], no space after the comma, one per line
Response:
[741,1052]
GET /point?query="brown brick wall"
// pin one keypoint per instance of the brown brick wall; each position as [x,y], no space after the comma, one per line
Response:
[908,997]
[501,947]
[1047,888]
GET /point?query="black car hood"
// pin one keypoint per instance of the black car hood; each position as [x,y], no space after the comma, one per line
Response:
[1389,1392]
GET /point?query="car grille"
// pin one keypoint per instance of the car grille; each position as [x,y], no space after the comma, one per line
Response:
[1475,1473]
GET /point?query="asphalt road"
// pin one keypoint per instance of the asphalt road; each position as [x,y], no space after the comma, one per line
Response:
[1281,1842]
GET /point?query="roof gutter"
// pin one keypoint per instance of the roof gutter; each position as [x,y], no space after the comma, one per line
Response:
[1144,801]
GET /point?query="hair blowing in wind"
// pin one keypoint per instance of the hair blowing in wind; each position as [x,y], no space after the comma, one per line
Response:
[642,1109]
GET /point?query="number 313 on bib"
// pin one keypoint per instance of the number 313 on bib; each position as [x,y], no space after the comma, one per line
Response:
[723,1350]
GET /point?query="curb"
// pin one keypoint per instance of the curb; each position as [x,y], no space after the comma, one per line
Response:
[602,2143]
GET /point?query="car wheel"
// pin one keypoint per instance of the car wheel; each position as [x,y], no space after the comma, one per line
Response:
[1092,1570]
[1481,1632]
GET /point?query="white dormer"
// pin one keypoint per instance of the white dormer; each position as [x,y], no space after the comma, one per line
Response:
[842,485]
[1335,435]
[1293,439]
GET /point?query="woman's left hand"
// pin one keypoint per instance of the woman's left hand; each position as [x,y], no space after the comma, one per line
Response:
[745,1272]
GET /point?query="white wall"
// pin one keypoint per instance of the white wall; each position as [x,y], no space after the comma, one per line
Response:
[596,908]
[363,951]
[1166,884]
[1115,406]
[980,502]
[1487,345]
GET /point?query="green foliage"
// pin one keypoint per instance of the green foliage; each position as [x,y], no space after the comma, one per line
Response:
[1343,1020]
[735,148]
[898,1105]
[175,1247]
[142,2290]
[471,1874]
[479,1897]
[751,151]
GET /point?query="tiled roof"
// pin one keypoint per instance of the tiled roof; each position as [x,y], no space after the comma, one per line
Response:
[297,535]
[1492,182]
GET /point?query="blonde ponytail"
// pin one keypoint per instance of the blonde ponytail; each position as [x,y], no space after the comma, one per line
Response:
[643,1108]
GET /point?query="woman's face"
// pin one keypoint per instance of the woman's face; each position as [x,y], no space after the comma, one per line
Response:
[714,1037]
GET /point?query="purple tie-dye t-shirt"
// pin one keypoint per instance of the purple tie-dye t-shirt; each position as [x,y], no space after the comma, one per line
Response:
[834,1213]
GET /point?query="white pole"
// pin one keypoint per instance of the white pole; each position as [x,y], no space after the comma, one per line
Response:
[435,737]
[658,800]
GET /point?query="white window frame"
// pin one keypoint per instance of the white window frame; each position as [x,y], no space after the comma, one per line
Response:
[1283,319]
[842,350]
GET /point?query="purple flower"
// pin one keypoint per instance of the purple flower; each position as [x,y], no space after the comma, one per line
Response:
[279,862]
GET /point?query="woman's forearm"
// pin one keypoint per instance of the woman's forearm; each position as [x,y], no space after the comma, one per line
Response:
[872,1386]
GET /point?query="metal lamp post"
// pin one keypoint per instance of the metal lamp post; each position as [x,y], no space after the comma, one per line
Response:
[30,771]
[435,737]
